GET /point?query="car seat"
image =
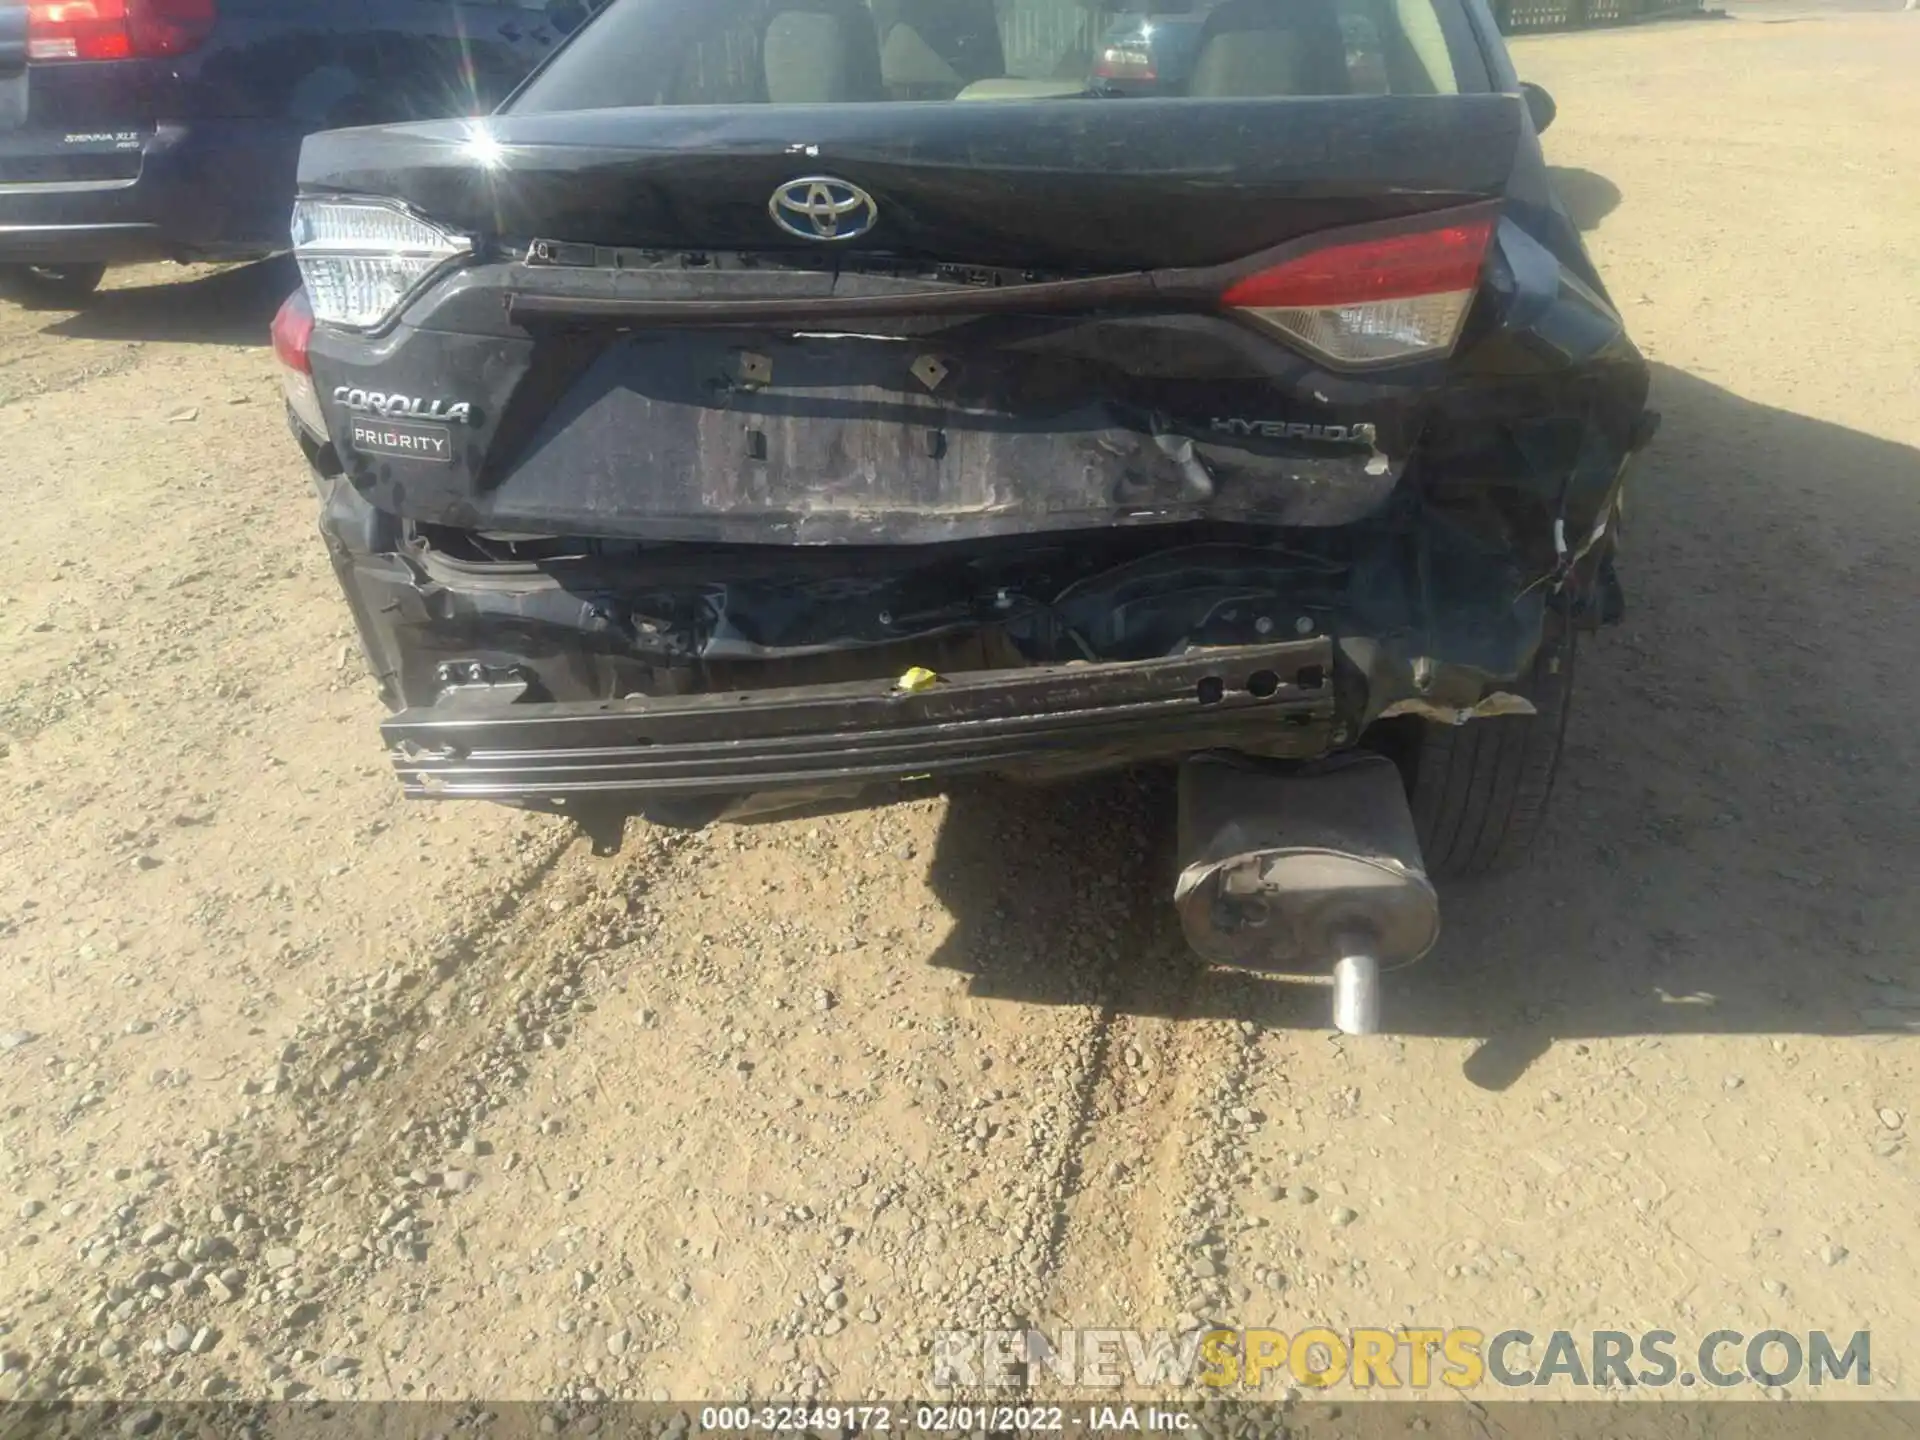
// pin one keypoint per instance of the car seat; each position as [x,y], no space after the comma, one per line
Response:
[1257,48]
[821,52]
[783,52]
[932,49]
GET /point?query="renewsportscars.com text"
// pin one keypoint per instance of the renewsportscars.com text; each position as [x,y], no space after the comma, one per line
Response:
[1400,1358]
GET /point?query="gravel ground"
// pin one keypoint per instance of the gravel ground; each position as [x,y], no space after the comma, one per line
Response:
[307,1092]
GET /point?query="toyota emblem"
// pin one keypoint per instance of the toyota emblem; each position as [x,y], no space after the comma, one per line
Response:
[819,207]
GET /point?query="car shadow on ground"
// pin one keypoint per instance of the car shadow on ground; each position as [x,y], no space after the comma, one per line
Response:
[226,307]
[1731,843]
[1589,197]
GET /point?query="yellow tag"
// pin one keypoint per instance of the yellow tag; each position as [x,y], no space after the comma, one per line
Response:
[916,680]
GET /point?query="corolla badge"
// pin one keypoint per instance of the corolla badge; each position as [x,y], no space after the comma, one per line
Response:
[819,207]
[403,407]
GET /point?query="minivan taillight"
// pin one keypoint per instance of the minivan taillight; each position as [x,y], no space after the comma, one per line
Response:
[116,29]
[1369,302]
[1132,61]
[292,333]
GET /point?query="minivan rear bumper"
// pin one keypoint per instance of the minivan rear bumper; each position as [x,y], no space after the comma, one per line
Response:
[109,244]
[214,189]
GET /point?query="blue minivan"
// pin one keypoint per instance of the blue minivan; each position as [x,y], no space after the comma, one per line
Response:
[137,130]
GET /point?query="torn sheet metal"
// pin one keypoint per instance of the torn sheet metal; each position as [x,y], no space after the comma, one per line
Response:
[1500,702]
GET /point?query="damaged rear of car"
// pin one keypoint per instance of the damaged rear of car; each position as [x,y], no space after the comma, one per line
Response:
[781,397]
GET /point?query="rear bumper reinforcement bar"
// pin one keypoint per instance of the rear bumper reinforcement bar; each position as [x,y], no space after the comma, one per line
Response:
[1048,721]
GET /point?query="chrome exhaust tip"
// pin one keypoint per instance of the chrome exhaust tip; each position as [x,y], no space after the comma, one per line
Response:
[1356,995]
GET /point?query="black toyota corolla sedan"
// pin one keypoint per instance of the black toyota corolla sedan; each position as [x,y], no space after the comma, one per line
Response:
[777,399]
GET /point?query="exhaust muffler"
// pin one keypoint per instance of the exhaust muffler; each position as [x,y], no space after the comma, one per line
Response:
[1312,875]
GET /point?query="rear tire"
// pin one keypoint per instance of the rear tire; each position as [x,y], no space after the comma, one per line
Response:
[50,287]
[1479,791]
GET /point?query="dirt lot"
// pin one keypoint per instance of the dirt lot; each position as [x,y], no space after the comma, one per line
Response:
[306,1091]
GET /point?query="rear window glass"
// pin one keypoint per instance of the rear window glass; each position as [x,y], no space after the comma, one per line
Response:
[813,52]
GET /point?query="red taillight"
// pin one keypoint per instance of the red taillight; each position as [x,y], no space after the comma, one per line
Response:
[78,30]
[170,27]
[292,333]
[1371,301]
[116,29]
[1393,268]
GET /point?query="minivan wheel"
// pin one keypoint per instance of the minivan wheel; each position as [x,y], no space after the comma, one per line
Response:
[1479,791]
[50,287]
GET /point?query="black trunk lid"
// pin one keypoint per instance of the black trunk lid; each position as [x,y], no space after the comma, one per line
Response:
[1016,325]
[1080,187]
